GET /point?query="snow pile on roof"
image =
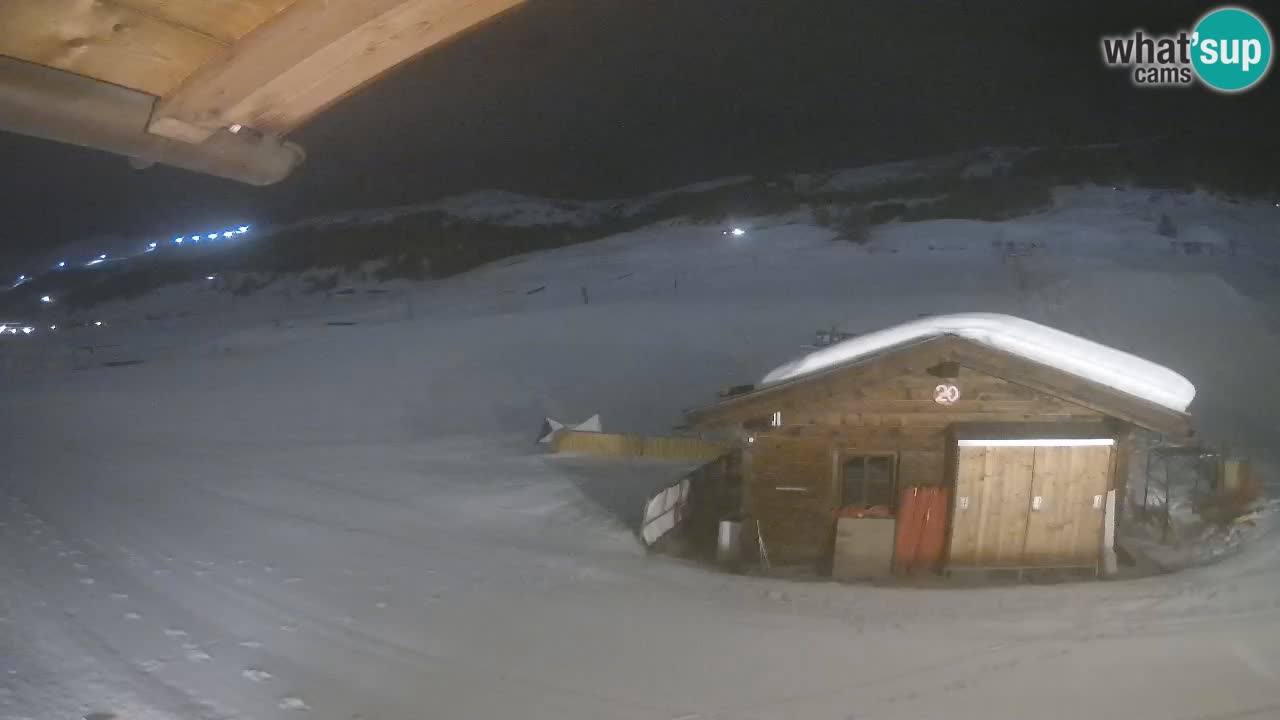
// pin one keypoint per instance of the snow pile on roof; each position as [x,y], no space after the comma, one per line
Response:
[1038,343]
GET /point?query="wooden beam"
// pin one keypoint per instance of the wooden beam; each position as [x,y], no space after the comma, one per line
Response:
[223,20]
[310,56]
[104,41]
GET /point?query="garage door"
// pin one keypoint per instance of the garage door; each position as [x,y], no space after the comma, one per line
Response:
[1029,503]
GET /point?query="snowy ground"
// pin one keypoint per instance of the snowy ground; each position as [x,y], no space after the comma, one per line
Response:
[273,517]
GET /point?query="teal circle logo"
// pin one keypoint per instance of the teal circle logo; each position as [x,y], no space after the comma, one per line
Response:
[1231,49]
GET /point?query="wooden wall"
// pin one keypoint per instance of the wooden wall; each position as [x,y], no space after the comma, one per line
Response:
[790,472]
[789,490]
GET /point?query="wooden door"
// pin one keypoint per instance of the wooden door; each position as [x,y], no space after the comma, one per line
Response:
[991,507]
[1068,505]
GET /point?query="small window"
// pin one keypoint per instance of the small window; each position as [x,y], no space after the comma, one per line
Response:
[868,480]
[776,420]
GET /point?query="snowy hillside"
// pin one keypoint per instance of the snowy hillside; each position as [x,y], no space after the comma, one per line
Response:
[456,234]
[324,499]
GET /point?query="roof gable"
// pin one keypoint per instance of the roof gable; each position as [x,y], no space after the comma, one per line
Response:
[825,384]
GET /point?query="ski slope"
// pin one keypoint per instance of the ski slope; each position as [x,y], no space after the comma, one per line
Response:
[275,517]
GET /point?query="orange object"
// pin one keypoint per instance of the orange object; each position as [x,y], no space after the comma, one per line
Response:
[921,538]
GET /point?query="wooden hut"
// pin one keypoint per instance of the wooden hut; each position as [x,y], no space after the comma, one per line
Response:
[1030,456]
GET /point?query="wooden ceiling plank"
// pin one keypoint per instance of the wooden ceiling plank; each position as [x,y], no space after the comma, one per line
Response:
[104,41]
[223,20]
[310,56]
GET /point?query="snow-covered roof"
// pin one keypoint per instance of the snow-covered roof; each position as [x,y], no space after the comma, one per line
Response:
[1041,344]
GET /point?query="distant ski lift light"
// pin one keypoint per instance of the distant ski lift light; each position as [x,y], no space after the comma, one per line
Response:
[46,299]
[97,323]
[227,234]
[737,232]
[210,277]
[62,263]
[195,238]
[213,236]
[53,327]
[245,228]
[27,330]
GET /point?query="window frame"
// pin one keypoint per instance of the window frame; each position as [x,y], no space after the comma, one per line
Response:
[842,458]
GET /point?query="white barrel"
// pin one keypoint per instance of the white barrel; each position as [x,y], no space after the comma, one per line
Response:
[729,541]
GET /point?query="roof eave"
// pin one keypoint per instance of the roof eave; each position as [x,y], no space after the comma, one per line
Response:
[1043,378]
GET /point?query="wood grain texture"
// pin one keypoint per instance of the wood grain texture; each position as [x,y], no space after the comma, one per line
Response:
[790,490]
[223,20]
[967,506]
[308,57]
[104,40]
[1009,501]
[990,530]
[1000,525]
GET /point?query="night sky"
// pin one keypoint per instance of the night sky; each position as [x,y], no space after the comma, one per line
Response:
[594,98]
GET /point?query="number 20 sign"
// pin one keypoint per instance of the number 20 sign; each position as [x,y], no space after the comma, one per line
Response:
[946,394]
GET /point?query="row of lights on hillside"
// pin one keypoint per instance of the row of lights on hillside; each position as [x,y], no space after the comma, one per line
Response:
[15,328]
[151,247]
[196,238]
